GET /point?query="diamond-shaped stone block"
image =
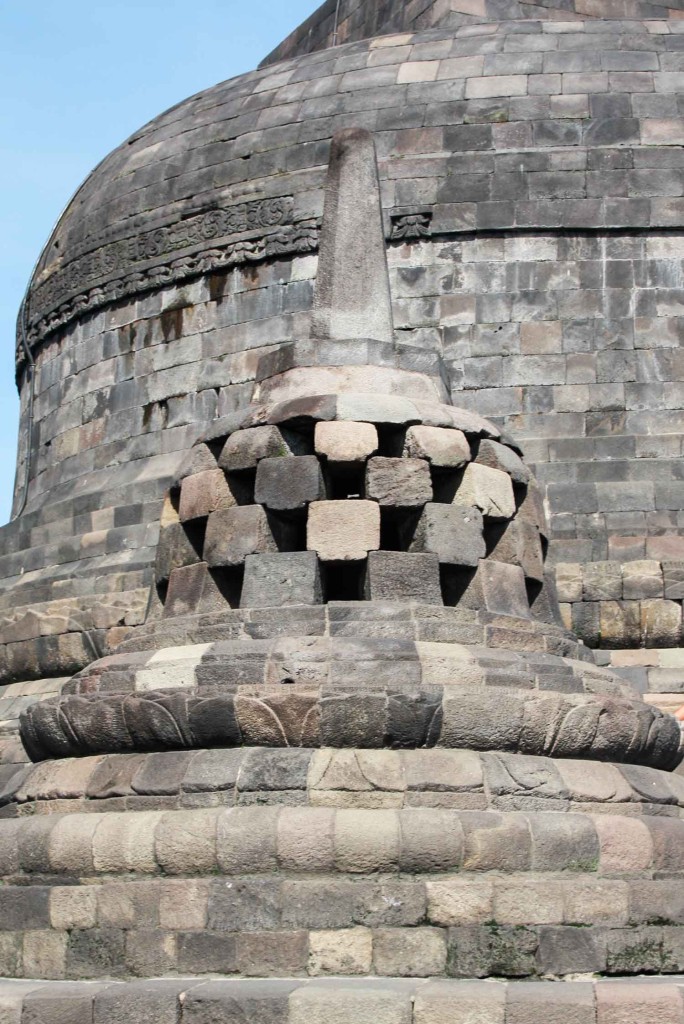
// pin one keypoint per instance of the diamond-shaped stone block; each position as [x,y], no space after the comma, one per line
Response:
[342,531]
[490,490]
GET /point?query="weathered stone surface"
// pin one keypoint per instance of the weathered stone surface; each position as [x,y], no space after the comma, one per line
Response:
[398,483]
[500,456]
[398,576]
[443,449]
[452,532]
[352,293]
[490,490]
[192,591]
[203,493]
[343,441]
[234,533]
[245,448]
[287,485]
[274,580]
[340,531]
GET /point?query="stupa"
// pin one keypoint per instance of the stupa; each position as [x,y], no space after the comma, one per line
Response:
[304,732]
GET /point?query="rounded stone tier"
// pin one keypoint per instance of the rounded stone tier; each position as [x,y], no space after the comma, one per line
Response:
[427,863]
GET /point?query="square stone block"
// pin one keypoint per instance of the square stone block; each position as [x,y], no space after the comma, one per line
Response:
[399,483]
[246,448]
[346,441]
[488,489]
[342,531]
[454,533]
[400,576]
[289,484]
[234,533]
[203,493]
[192,590]
[286,578]
[443,449]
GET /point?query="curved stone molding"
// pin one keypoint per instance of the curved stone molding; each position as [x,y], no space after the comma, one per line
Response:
[561,725]
[56,303]
[342,778]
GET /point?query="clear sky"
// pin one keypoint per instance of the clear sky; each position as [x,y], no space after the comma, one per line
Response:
[76,78]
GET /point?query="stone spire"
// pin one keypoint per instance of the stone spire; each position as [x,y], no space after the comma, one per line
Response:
[352,286]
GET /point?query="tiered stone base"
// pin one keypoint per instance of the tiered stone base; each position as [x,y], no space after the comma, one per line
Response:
[335,1001]
[417,863]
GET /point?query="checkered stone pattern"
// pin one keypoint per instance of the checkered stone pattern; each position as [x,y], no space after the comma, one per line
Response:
[353,497]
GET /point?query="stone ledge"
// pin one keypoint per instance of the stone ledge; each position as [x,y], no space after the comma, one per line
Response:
[262,839]
[371,779]
[298,1001]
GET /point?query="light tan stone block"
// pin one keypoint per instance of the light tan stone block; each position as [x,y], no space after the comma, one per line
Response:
[367,841]
[454,901]
[447,449]
[71,843]
[431,840]
[345,440]
[522,901]
[488,489]
[343,951]
[478,1002]
[305,839]
[569,582]
[44,954]
[409,952]
[126,842]
[626,844]
[246,839]
[342,531]
[73,906]
[596,901]
[183,905]
[339,1005]
[185,842]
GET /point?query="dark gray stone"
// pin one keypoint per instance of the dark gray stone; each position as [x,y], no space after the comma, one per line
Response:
[274,580]
[288,484]
[454,533]
[401,576]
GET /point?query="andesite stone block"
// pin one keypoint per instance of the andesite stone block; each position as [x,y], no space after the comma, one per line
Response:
[341,531]
[285,578]
[403,576]
[398,483]
[488,489]
[289,484]
[454,533]
[245,448]
[500,456]
[192,590]
[203,493]
[234,533]
[345,440]
[443,448]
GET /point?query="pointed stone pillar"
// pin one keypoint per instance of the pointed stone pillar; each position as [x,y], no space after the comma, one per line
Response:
[352,287]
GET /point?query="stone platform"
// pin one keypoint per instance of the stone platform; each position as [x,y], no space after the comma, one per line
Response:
[333,1001]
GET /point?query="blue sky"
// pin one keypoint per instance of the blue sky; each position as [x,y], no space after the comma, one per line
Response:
[76,78]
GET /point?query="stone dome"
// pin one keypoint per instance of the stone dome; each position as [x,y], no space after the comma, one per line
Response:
[486,127]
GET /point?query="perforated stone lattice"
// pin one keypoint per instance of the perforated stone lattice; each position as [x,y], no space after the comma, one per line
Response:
[353,498]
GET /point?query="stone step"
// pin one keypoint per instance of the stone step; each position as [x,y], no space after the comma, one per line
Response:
[654,1000]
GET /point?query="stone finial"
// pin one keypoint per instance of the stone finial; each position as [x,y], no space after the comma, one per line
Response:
[352,287]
